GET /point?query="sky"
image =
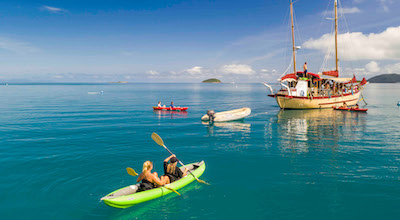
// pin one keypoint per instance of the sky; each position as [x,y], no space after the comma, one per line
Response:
[189,41]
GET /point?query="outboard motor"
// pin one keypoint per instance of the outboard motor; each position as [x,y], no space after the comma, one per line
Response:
[211,115]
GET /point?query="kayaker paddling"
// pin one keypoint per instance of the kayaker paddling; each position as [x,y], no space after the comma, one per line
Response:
[171,172]
[129,195]
[149,180]
[172,105]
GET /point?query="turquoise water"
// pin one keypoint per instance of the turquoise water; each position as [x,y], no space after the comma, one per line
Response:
[63,147]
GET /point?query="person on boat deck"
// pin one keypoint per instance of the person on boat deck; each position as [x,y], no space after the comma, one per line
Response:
[172,105]
[159,104]
[171,172]
[149,180]
[305,69]
[328,86]
[344,105]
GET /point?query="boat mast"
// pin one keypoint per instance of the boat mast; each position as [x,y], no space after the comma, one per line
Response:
[294,49]
[336,41]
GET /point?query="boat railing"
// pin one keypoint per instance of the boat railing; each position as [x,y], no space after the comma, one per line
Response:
[317,92]
[287,88]
[320,92]
[270,88]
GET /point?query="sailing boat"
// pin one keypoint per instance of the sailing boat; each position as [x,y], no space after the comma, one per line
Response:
[309,90]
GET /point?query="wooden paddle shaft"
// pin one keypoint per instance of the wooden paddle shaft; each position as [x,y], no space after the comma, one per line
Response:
[180,162]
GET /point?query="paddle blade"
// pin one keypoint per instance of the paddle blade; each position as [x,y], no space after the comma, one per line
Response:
[131,171]
[202,181]
[172,190]
[157,139]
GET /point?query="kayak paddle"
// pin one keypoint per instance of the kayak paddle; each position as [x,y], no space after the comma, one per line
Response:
[172,190]
[133,173]
[160,142]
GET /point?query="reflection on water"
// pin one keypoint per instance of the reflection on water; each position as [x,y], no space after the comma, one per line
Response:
[301,129]
[227,127]
[146,210]
[170,114]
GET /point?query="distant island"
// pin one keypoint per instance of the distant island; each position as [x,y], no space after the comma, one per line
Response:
[385,78]
[212,80]
[120,82]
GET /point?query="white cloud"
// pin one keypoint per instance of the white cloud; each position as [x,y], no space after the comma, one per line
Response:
[195,70]
[240,69]
[392,68]
[357,46]
[264,70]
[385,4]
[356,71]
[53,9]
[342,11]
[152,72]
[372,67]
[352,10]
[57,77]
[18,47]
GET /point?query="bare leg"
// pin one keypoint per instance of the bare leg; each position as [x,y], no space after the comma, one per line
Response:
[165,180]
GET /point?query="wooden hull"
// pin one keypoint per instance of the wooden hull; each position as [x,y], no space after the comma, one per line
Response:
[296,102]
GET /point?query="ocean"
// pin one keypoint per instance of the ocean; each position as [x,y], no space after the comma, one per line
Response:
[64,146]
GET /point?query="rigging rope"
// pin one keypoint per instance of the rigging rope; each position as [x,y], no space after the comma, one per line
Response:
[284,73]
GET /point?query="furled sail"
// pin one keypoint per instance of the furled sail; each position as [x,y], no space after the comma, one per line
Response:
[331,73]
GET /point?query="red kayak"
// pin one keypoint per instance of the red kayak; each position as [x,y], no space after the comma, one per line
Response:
[351,109]
[171,109]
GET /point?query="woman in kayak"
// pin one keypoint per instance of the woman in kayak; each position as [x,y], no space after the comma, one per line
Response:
[159,104]
[171,172]
[149,180]
[172,105]
[344,105]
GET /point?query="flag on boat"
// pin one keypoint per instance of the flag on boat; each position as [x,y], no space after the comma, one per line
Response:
[363,81]
[353,80]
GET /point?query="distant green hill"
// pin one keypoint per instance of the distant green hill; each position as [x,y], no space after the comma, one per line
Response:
[385,78]
[213,80]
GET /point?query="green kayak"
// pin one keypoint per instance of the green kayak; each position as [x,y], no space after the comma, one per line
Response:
[127,196]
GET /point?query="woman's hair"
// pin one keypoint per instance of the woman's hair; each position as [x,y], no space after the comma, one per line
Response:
[171,167]
[146,166]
